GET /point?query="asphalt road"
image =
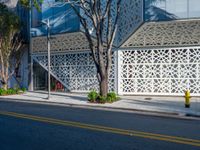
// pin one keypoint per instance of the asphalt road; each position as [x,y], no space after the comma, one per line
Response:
[44,127]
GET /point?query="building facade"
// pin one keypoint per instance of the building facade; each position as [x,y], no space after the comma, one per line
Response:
[157,48]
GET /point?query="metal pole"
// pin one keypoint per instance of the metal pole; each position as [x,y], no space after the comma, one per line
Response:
[30,57]
[49,57]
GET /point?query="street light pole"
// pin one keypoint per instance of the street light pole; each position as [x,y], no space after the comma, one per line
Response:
[47,23]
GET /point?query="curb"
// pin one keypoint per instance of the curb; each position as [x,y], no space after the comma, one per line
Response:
[184,116]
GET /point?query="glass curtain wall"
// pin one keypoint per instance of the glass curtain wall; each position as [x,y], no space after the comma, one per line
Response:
[62,18]
[160,10]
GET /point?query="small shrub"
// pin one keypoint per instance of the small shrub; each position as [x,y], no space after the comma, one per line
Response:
[109,99]
[92,96]
[2,92]
[102,99]
[112,97]
[23,89]
[17,90]
[11,91]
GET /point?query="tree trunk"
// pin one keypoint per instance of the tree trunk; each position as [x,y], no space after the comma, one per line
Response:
[4,83]
[104,86]
[5,78]
[5,86]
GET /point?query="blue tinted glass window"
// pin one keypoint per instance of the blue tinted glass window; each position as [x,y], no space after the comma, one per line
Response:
[194,8]
[36,17]
[62,18]
[156,10]
[177,7]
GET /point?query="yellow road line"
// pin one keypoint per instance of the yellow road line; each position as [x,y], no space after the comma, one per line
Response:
[153,136]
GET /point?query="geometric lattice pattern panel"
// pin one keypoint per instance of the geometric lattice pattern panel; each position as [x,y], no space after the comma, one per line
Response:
[159,71]
[130,17]
[76,71]
[103,9]
[61,43]
[168,33]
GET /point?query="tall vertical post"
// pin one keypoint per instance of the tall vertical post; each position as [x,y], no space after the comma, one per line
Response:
[118,75]
[49,58]
[30,59]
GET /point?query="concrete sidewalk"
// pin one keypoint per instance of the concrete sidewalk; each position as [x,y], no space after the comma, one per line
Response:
[173,106]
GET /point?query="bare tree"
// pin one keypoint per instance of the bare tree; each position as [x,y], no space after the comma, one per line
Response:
[10,44]
[103,20]
[99,15]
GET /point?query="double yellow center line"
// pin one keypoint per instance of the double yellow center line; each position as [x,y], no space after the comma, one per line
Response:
[134,133]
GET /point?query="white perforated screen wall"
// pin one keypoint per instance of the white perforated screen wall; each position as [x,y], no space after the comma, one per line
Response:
[76,71]
[159,71]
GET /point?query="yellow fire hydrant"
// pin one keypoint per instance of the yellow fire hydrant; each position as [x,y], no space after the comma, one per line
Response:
[187,99]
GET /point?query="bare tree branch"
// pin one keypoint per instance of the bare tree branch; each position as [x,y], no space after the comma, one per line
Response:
[104,21]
